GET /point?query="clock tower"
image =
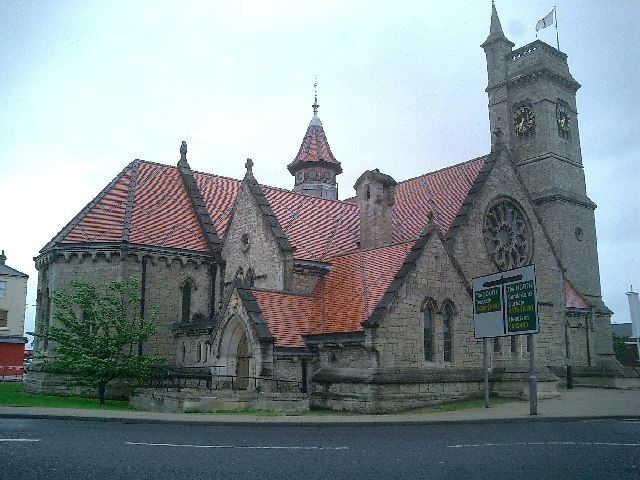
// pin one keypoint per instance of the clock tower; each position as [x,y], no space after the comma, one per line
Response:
[532,100]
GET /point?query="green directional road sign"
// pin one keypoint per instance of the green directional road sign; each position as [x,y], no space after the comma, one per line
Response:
[521,307]
[505,303]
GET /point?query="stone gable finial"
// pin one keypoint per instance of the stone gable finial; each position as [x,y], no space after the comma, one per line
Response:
[249,165]
[183,150]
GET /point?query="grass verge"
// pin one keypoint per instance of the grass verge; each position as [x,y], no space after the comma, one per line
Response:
[466,405]
[12,395]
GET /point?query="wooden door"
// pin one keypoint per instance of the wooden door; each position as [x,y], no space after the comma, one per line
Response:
[242,363]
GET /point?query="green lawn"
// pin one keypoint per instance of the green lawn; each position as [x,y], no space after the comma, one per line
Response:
[11,395]
[450,407]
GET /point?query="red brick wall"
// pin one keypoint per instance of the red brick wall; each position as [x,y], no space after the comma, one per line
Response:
[11,358]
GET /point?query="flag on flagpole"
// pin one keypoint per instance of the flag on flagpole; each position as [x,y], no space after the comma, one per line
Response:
[546,21]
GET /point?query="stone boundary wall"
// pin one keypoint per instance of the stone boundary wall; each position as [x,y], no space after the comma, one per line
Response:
[193,400]
[46,383]
[402,389]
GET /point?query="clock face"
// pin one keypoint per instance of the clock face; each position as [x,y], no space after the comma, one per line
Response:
[524,119]
[562,114]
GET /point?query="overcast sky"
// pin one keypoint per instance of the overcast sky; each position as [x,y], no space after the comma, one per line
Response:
[86,87]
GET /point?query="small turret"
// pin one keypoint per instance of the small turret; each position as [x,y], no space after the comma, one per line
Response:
[315,168]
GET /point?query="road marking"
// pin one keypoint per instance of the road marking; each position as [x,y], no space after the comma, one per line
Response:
[610,444]
[610,420]
[19,439]
[248,447]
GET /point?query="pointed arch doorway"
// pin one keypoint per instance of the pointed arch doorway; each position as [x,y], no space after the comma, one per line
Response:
[242,363]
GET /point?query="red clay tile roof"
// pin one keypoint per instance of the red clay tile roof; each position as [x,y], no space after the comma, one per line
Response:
[158,214]
[318,228]
[342,300]
[219,194]
[350,292]
[441,192]
[288,316]
[573,299]
[103,217]
[161,212]
[147,204]
[314,148]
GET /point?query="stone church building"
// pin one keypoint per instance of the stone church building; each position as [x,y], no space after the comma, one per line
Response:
[365,303]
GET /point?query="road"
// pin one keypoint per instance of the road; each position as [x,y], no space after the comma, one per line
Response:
[66,449]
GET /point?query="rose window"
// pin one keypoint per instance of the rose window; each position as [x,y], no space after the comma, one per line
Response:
[507,235]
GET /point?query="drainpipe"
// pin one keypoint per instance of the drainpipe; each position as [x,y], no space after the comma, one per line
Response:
[304,375]
[586,321]
[143,289]
[568,356]
[213,270]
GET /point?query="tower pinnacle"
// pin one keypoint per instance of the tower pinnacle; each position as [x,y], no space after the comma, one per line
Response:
[496,27]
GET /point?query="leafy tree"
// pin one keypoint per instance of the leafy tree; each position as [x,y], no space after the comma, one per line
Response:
[620,348]
[96,335]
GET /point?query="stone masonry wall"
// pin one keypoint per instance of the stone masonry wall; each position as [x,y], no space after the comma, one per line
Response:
[304,283]
[399,339]
[261,253]
[469,248]
[165,276]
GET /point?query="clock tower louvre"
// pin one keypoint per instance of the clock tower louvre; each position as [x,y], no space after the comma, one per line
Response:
[532,101]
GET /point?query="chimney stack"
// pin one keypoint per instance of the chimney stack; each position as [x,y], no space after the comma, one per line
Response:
[3,258]
[375,194]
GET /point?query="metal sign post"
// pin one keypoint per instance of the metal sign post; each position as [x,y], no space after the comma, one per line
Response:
[486,371]
[505,304]
[533,381]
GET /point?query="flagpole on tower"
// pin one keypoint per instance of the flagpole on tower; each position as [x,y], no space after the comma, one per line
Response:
[555,13]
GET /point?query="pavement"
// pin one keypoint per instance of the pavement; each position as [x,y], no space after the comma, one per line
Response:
[578,403]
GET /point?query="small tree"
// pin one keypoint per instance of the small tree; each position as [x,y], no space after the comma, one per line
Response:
[96,335]
[619,347]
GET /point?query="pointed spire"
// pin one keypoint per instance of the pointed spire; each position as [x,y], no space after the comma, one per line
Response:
[495,30]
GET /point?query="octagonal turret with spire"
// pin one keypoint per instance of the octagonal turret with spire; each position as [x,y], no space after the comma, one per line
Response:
[314,167]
